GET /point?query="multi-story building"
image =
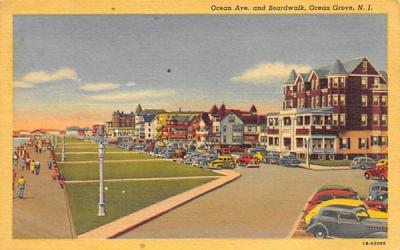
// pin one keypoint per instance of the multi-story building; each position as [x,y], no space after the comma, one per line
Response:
[143,119]
[176,129]
[121,124]
[340,109]
[235,127]
[198,129]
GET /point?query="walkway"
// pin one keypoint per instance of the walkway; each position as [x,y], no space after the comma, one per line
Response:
[43,211]
[97,161]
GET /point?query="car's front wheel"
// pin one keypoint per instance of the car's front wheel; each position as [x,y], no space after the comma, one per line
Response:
[320,233]
[367,176]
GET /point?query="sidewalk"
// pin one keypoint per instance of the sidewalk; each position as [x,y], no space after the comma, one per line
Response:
[134,220]
[96,153]
[43,211]
[322,168]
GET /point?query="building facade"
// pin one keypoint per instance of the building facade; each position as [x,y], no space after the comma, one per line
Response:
[340,109]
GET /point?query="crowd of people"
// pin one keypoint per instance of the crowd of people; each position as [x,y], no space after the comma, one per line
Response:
[28,165]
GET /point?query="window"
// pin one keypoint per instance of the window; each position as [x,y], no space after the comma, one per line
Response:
[375,140]
[342,119]
[344,143]
[384,140]
[286,121]
[307,120]
[224,139]
[299,120]
[335,100]
[329,143]
[224,128]
[364,120]
[347,216]
[323,101]
[384,120]
[384,101]
[329,100]
[342,82]
[331,214]
[362,143]
[231,118]
[375,100]
[377,81]
[364,66]
[317,101]
[335,82]
[270,122]
[364,82]
[335,119]
[342,100]
[217,128]
[364,100]
[375,120]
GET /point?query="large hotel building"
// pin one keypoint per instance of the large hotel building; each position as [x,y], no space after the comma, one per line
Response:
[340,109]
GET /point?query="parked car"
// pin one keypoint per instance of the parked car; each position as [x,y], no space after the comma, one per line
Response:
[224,151]
[346,223]
[328,187]
[223,161]
[288,161]
[344,203]
[210,158]
[169,154]
[330,194]
[271,158]
[377,188]
[379,201]
[196,160]
[248,161]
[379,171]
[363,163]
[188,159]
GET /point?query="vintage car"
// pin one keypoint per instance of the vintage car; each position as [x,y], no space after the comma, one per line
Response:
[346,223]
[330,194]
[223,161]
[248,161]
[188,159]
[379,171]
[363,163]
[379,201]
[328,187]
[377,187]
[288,161]
[382,162]
[344,203]
[271,158]
[206,161]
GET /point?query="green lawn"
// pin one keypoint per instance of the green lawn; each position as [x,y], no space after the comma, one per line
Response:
[89,148]
[71,140]
[83,199]
[332,163]
[117,170]
[114,156]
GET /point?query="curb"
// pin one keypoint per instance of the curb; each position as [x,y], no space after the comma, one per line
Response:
[326,168]
[117,227]
[298,220]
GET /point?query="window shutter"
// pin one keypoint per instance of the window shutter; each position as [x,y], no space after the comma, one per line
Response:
[372,140]
[348,143]
[367,142]
[359,142]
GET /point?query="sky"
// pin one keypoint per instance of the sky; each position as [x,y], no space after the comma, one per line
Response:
[78,69]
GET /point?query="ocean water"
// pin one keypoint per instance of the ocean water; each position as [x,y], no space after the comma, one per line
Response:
[19,140]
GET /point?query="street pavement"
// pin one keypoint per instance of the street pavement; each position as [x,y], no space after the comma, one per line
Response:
[43,211]
[263,203]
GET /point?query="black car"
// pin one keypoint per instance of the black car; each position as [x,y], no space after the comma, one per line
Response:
[346,223]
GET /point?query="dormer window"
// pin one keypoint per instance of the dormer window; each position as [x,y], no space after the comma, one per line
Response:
[364,66]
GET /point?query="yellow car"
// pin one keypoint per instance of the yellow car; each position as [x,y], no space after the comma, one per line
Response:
[259,155]
[223,161]
[382,162]
[346,203]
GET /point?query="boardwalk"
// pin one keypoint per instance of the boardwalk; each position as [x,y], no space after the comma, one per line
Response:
[43,211]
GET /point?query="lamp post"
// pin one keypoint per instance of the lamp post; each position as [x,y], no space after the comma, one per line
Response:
[63,149]
[308,153]
[101,191]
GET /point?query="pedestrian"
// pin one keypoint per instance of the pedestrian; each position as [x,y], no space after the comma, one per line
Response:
[15,159]
[28,164]
[37,167]
[61,179]
[21,187]
[14,177]
[32,167]
[49,163]
[54,173]
[23,163]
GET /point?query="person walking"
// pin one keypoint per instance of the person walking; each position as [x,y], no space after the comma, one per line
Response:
[23,164]
[37,168]
[61,180]
[28,164]
[21,187]
[32,167]
[49,163]
[15,159]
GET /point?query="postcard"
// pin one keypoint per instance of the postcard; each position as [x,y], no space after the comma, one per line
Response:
[199,125]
